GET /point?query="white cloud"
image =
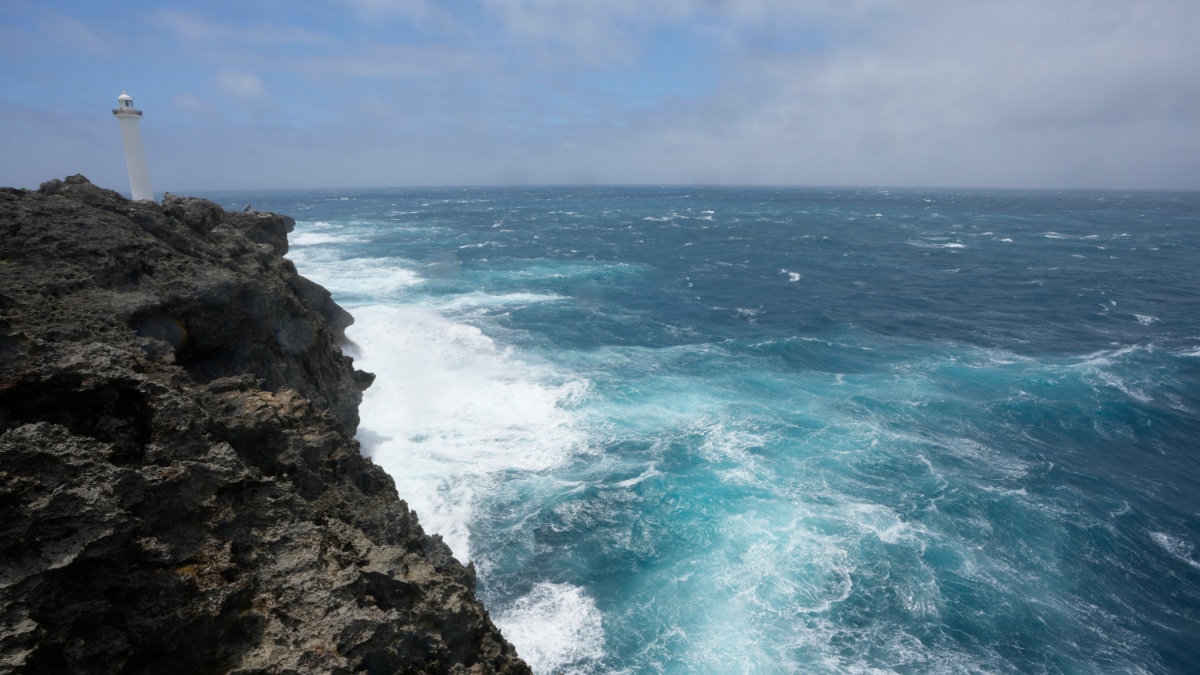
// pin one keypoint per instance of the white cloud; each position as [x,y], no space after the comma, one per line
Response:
[1079,93]
[243,87]
[424,13]
[191,105]
[1019,94]
[69,32]
[195,28]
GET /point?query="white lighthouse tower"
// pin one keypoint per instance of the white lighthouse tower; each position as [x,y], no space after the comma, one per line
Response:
[135,155]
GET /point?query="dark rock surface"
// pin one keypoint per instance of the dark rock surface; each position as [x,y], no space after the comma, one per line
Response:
[179,487]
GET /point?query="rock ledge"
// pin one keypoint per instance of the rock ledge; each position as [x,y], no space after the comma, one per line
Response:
[180,490]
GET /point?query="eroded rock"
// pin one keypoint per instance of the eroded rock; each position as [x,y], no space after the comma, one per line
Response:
[180,490]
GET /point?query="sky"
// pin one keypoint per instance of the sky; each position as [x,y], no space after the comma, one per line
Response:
[261,94]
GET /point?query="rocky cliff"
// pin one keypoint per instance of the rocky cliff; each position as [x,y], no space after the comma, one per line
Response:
[180,490]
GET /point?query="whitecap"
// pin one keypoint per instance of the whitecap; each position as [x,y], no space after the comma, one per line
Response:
[318,238]
[363,277]
[450,410]
[554,627]
[650,472]
[469,301]
[1120,385]
[1105,357]
[723,444]
[1005,492]
[1178,548]
[880,521]
[1146,320]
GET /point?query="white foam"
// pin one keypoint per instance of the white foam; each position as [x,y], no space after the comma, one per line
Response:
[954,246]
[796,570]
[881,522]
[1093,365]
[725,444]
[1146,320]
[372,277]
[994,461]
[478,300]
[1120,385]
[450,409]
[650,472]
[1178,548]
[553,628]
[792,276]
[1105,357]
[318,238]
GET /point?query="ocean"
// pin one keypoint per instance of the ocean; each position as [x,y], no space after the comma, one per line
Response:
[773,430]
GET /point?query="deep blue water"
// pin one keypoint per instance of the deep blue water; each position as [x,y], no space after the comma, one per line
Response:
[775,430]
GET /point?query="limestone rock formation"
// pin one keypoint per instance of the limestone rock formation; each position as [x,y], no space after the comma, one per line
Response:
[180,490]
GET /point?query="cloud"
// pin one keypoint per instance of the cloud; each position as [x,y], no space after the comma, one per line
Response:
[421,12]
[244,87]
[1095,93]
[68,32]
[1018,94]
[562,34]
[195,28]
[190,105]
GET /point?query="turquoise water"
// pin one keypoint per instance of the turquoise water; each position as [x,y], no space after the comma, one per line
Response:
[775,430]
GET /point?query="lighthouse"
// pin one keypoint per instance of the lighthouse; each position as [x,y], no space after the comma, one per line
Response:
[135,156]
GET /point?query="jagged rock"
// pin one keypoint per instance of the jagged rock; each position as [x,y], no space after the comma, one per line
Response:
[199,214]
[179,487]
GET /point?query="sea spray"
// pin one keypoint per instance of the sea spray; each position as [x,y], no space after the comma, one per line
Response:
[778,430]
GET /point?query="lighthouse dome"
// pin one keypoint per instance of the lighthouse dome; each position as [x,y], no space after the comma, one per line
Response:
[124,97]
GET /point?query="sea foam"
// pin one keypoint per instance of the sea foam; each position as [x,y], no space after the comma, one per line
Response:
[450,407]
[556,628]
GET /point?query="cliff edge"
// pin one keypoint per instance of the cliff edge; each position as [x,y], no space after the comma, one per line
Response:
[180,490]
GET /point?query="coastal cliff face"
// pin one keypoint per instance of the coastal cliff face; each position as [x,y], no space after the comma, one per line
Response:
[180,490]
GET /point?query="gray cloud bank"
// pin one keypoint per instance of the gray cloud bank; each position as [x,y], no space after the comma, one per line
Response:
[1070,94]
